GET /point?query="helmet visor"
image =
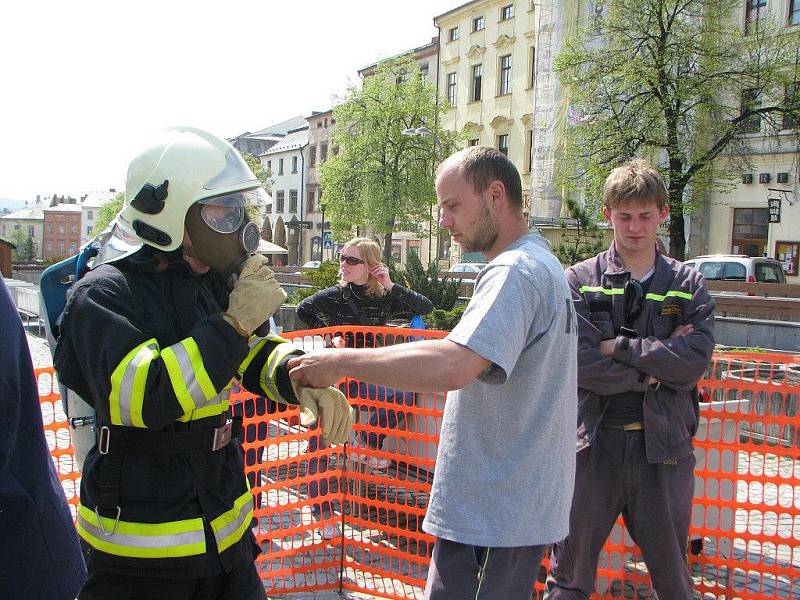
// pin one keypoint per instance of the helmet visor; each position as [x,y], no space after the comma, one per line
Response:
[227,213]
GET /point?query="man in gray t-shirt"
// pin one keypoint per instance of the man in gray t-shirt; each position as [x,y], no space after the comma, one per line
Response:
[505,466]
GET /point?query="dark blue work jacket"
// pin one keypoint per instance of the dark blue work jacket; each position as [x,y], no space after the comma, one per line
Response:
[40,557]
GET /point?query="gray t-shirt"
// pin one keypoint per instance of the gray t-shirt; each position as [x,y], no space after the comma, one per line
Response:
[505,467]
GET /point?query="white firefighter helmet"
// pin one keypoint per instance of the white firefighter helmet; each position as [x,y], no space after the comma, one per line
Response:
[179,167]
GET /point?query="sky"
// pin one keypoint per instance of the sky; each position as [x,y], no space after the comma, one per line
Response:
[84,83]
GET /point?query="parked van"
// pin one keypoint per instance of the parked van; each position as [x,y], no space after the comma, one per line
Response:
[738,267]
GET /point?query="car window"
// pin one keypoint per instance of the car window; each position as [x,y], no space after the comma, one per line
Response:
[734,271]
[711,270]
[769,273]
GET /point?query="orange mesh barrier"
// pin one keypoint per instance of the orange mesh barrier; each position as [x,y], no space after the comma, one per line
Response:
[349,518]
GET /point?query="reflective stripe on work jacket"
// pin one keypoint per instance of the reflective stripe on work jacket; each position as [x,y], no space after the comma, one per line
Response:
[165,540]
[267,376]
[190,382]
[142,540]
[620,291]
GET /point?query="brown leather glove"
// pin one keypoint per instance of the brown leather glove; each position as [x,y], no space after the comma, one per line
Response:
[337,414]
[255,296]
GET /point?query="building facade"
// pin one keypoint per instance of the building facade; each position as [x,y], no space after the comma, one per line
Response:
[91,204]
[487,72]
[760,214]
[320,242]
[287,161]
[26,222]
[62,230]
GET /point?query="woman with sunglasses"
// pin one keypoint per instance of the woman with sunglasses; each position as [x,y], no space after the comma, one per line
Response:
[365,295]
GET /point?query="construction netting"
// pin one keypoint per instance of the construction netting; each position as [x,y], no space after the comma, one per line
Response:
[349,517]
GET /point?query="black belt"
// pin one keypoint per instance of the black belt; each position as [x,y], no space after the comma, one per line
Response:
[637,426]
[114,439]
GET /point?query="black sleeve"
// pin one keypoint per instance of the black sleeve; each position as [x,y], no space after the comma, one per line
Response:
[404,300]
[319,310]
[102,335]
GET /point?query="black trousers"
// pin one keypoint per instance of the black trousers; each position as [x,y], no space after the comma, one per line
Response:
[241,583]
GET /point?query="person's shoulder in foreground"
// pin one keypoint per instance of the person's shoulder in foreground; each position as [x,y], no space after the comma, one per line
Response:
[40,545]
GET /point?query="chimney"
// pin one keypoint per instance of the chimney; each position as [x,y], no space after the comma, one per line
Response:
[38,198]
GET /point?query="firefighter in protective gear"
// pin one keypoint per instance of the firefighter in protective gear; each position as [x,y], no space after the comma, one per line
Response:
[153,340]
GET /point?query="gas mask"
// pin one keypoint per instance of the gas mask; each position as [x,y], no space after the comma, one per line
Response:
[222,231]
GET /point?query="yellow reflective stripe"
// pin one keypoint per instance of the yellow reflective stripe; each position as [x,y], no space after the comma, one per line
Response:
[620,291]
[188,375]
[267,377]
[222,404]
[256,344]
[672,293]
[602,290]
[229,527]
[128,383]
[142,540]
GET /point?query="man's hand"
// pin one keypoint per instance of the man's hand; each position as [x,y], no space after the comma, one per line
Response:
[255,296]
[607,347]
[316,369]
[337,415]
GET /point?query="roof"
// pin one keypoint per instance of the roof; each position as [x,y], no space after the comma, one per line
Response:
[431,47]
[282,128]
[64,208]
[318,114]
[98,199]
[8,243]
[30,213]
[293,141]
[453,10]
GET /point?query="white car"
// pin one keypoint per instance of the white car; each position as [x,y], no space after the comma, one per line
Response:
[737,267]
[467,267]
[312,264]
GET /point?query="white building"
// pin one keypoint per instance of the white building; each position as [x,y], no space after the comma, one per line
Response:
[28,221]
[91,204]
[287,161]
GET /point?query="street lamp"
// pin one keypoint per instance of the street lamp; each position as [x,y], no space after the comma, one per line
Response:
[424,132]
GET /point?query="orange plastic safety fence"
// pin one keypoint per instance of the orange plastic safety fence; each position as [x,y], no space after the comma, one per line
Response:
[350,517]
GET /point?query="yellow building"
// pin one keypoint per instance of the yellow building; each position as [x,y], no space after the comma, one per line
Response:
[760,215]
[487,69]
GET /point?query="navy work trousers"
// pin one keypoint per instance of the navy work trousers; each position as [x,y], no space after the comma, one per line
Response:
[613,477]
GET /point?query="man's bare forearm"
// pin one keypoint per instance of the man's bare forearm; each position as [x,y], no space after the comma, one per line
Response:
[427,366]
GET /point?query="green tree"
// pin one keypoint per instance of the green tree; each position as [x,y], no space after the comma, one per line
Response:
[441,291]
[678,82]
[381,178]
[581,243]
[263,174]
[24,247]
[108,211]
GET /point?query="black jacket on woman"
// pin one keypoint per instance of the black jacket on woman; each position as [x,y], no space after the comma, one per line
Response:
[351,305]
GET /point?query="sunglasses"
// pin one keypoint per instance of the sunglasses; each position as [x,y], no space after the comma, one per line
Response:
[350,260]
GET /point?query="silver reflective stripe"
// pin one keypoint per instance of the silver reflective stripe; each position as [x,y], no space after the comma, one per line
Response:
[144,541]
[126,390]
[230,528]
[189,379]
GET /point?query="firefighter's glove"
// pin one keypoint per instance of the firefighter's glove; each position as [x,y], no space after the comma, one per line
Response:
[336,418]
[255,297]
